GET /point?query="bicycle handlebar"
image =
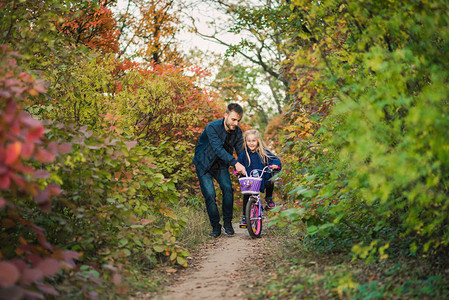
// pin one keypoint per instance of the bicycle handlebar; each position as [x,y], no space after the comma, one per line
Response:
[270,170]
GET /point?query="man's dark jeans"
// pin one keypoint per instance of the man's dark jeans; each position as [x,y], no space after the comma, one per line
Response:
[221,174]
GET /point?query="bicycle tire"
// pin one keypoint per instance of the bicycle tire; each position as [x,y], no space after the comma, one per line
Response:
[253,220]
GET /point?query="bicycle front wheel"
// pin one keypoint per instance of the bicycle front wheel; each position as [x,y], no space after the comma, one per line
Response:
[253,217]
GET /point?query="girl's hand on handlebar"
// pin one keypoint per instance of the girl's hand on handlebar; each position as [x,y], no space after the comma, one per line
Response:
[274,167]
[240,168]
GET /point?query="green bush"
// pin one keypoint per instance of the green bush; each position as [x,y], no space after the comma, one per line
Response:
[371,169]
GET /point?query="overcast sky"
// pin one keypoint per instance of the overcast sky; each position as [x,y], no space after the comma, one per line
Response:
[203,14]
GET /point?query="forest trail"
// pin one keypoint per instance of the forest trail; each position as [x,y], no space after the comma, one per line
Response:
[221,270]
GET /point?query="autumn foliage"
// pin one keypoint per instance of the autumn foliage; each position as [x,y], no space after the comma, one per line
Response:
[93,25]
[30,258]
[95,155]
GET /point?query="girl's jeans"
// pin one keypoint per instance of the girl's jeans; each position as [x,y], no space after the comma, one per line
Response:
[221,174]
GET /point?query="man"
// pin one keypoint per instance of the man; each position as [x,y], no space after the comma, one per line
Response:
[213,156]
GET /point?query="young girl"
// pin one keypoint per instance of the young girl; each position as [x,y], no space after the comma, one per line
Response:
[257,156]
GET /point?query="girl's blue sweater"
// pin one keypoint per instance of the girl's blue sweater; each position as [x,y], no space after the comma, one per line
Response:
[256,163]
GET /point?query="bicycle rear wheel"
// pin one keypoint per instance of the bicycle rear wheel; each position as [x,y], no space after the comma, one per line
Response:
[253,217]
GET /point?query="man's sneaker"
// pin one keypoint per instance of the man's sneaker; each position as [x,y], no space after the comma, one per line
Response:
[270,203]
[242,223]
[216,231]
[228,229]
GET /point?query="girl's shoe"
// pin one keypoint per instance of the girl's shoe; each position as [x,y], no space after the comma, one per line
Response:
[242,223]
[270,203]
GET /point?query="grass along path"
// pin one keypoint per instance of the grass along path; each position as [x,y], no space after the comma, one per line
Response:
[280,265]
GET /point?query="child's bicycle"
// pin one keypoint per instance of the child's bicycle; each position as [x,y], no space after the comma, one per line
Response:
[254,211]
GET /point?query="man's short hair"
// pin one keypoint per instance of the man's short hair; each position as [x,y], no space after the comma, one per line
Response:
[234,107]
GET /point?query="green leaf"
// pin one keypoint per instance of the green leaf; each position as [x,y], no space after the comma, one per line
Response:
[181,261]
[158,249]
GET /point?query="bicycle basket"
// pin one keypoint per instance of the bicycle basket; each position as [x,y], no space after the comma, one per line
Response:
[250,185]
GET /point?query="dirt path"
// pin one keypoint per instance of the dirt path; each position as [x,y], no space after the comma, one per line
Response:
[220,271]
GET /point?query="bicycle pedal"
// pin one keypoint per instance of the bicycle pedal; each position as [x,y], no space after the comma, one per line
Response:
[242,226]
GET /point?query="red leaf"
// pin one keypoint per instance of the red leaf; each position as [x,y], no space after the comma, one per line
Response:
[32,295]
[53,147]
[2,202]
[86,133]
[146,221]
[5,181]
[42,197]
[25,248]
[9,274]
[47,289]
[35,133]
[20,264]
[31,275]
[11,108]
[130,144]
[5,94]
[11,82]
[41,174]
[39,87]
[49,267]
[18,180]
[53,189]
[69,255]
[12,153]
[41,238]
[28,120]
[33,258]
[109,267]
[44,156]
[65,148]
[27,149]
[24,169]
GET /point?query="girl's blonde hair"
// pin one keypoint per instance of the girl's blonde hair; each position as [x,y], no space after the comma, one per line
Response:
[261,149]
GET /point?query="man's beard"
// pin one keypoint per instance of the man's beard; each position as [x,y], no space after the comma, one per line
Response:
[228,126]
